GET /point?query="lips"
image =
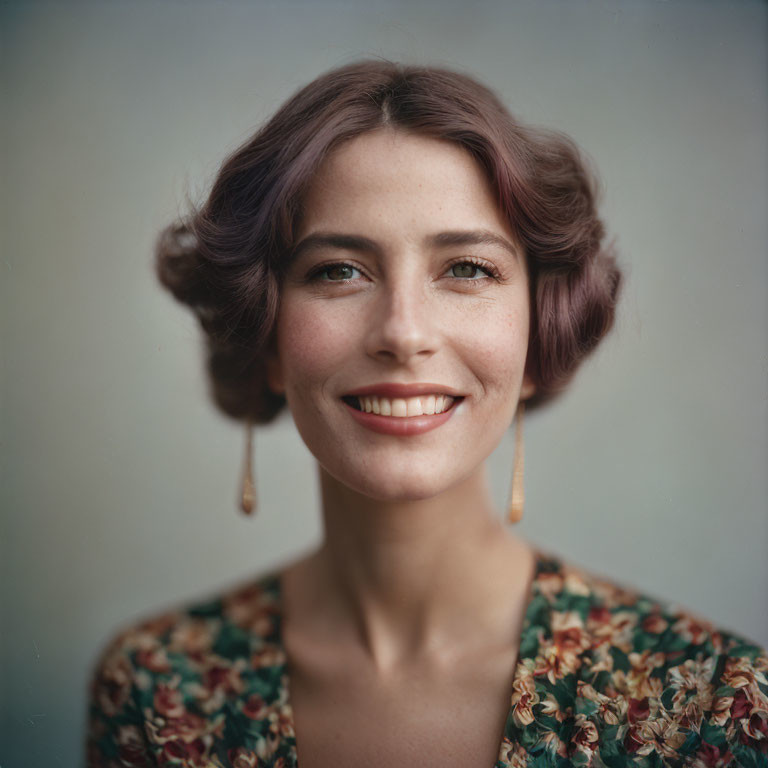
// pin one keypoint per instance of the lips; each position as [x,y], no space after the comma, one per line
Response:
[402,409]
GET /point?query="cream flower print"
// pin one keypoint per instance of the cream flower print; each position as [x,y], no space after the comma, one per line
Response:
[605,677]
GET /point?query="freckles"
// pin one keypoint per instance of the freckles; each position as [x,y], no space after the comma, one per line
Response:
[312,341]
[497,350]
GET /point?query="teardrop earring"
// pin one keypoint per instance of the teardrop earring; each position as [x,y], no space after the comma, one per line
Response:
[248,493]
[517,496]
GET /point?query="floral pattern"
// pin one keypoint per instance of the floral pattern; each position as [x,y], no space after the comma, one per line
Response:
[605,677]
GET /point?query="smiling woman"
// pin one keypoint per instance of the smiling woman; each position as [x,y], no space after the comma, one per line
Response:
[389,218]
[403,264]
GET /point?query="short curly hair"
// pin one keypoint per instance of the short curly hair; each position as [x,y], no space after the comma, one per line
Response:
[226,259]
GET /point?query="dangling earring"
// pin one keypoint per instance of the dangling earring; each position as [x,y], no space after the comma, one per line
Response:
[248,496]
[517,497]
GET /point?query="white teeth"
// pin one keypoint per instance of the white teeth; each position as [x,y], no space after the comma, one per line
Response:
[413,406]
[402,407]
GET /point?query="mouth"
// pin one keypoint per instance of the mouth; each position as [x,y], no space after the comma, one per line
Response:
[402,407]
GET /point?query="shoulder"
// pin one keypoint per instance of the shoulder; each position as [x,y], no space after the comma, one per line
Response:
[165,680]
[238,621]
[611,613]
[631,676]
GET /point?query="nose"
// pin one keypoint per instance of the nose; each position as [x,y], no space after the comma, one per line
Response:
[402,327]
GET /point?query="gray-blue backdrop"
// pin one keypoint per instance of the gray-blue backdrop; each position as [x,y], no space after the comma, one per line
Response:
[118,478]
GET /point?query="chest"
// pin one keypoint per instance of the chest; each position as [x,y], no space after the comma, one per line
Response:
[454,720]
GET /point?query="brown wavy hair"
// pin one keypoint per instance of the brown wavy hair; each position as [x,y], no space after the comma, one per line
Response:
[225,260]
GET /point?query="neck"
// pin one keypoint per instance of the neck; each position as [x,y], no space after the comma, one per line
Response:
[412,578]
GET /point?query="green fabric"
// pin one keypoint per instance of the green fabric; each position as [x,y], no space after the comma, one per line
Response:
[605,677]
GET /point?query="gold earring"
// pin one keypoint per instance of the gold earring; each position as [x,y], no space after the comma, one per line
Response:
[248,495]
[517,496]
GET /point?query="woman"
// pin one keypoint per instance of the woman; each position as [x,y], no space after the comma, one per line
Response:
[405,265]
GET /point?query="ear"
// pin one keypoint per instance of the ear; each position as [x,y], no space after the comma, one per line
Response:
[528,388]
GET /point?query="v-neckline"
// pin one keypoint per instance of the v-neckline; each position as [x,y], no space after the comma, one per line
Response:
[531,606]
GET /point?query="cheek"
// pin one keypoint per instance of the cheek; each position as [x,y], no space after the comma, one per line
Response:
[498,344]
[498,361]
[310,343]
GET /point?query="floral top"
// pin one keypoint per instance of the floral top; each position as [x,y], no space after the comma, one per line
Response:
[605,677]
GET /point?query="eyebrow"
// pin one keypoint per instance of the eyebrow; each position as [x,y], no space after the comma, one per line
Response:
[473,237]
[320,240]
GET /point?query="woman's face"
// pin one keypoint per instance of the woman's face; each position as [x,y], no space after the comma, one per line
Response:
[405,273]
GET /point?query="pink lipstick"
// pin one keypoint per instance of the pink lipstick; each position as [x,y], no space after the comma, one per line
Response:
[382,408]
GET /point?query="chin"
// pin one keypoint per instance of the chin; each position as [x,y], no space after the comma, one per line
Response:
[396,487]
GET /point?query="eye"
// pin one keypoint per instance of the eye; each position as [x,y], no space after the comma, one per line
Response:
[335,273]
[470,270]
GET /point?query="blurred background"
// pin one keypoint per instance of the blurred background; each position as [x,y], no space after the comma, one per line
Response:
[119,480]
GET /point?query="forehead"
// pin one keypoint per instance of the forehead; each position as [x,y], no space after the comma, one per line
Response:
[391,177]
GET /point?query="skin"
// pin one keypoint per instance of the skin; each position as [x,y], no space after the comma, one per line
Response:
[407,619]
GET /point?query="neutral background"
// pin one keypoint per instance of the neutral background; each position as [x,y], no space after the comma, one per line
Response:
[119,479]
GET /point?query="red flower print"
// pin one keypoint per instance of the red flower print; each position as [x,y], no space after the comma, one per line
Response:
[221,676]
[638,710]
[191,753]
[168,701]
[153,659]
[255,707]
[741,705]
[632,741]
[598,614]
[654,624]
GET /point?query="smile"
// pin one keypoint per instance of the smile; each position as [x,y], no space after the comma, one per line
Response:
[408,416]
[401,407]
